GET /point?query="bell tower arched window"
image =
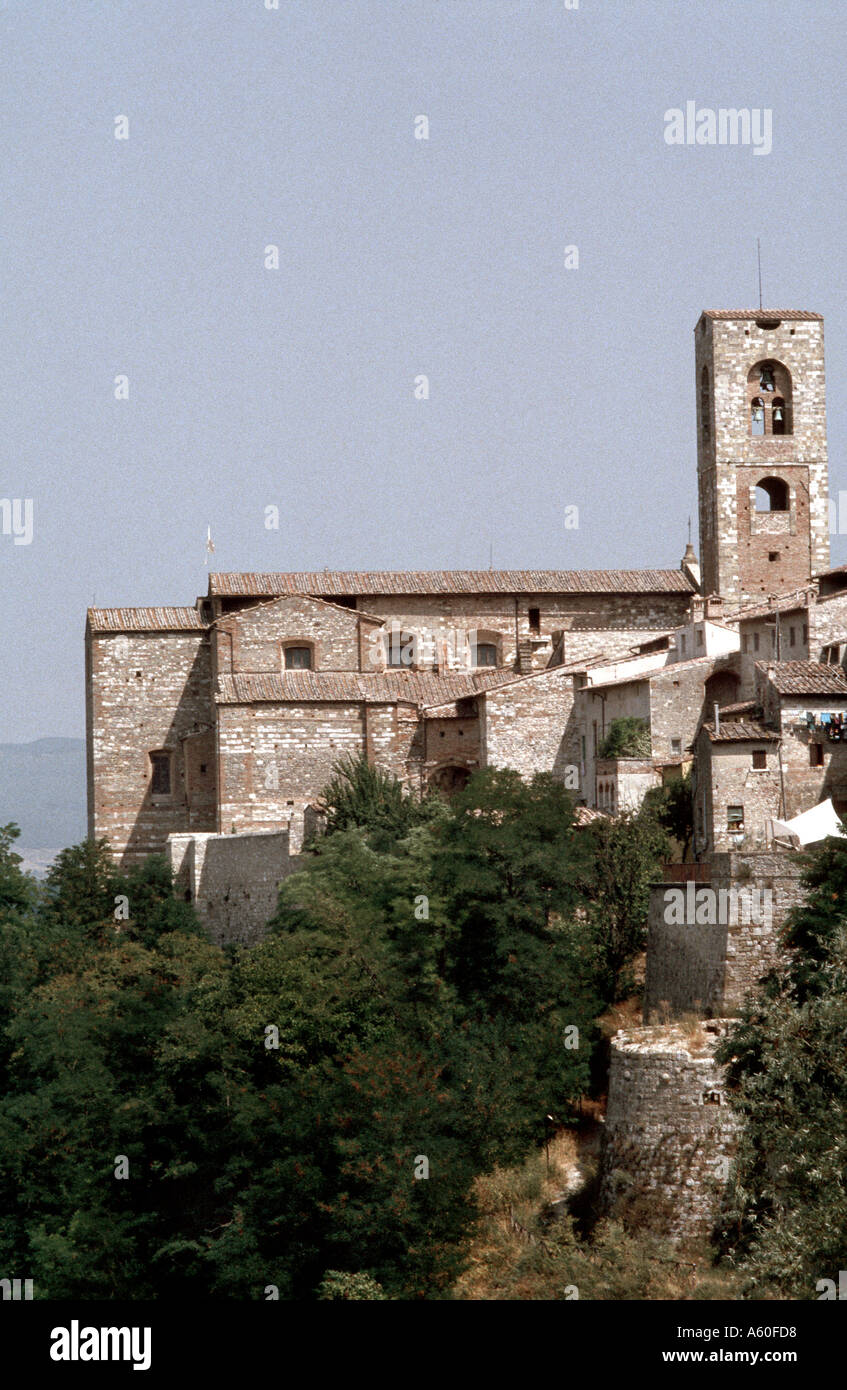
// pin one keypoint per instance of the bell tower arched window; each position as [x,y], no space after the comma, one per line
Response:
[705,404]
[769,398]
[772,495]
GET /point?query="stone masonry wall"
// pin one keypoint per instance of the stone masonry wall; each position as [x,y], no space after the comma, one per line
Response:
[149,692]
[670,1134]
[708,967]
[233,881]
[592,623]
[275,759]
[253,640]
[526,725]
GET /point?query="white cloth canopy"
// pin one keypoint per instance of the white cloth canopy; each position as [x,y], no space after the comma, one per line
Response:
[810,826]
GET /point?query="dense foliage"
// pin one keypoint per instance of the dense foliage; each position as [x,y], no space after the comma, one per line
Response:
[628,737]
[786,1223]
[308,1116]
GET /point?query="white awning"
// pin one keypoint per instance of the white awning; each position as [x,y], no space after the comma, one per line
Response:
[810,826]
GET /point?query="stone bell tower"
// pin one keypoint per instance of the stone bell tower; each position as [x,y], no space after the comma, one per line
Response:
[761,451]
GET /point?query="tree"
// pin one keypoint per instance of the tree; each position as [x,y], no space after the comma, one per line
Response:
[625,857]
[362,794]
[785,1221]
[673,807]
[17,889]
[628,737]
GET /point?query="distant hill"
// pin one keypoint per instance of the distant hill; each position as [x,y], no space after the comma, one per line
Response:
[42,788]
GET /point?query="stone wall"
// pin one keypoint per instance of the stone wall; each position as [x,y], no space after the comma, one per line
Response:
[707,967]
[232,881]
[275,759]
[254,640]
[828,618]
[681,694]
[149,692]
[527,725]
[670,1134]
[608,622]
[725,776]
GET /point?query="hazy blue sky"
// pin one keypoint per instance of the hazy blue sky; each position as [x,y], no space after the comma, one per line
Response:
[251,387]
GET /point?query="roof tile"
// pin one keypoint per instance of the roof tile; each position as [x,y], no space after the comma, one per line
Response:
[326,583]
[805,677]
[145,620]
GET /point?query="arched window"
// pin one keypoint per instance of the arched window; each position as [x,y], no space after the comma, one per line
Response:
[772,495]
[705,404]
[769,396]
[298,658]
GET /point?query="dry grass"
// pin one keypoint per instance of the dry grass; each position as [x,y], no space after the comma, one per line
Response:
[521,1253]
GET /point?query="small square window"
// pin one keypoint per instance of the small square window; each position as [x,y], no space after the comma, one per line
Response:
[760,759]
[735,817]
[773,554]
[298,658]
[676,746]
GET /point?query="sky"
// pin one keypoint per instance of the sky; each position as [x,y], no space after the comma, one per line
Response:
[550,386]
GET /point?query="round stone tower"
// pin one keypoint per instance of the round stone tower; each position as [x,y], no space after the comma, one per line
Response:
[670,1133]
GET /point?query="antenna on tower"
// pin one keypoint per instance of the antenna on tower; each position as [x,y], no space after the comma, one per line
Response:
[689,530]
[759,258]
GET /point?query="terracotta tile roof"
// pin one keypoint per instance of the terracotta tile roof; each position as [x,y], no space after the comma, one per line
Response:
[805,677]
[350,687]
[743,707]
[793,315]
[145,620]
[784,603]
[503,680]
[740,731]
[326,583]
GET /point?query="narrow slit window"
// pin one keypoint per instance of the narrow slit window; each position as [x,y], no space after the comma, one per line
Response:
[160,774]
